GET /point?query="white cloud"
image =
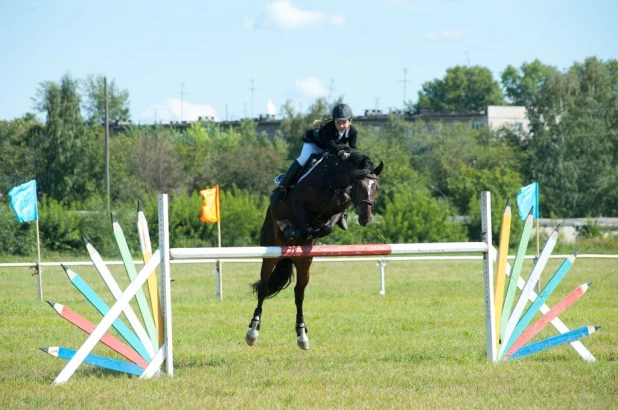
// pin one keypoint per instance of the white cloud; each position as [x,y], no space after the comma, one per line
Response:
[249,22]
[445,34]
[171,111]
[311,87]
[283,14]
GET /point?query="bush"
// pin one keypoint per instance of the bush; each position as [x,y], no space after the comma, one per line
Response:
[16,238]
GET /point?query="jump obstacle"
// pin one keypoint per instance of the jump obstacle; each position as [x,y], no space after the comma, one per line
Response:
[150,349]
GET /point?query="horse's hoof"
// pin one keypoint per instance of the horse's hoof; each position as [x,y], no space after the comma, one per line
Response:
[252,336]
[253,332]
[302,340]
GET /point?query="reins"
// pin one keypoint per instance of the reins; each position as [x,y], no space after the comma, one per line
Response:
[349,184]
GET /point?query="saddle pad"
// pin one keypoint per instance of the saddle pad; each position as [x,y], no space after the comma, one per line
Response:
[306,172]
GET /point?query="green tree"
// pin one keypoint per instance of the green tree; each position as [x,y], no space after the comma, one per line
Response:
[413,215]
[18,156]
[460,162]
[94,100]
[573,153]
[68,148]
[462,89]
[522,87]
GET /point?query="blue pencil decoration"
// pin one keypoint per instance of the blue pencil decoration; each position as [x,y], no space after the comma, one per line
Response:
[94,360]
[554,341]
[103,308]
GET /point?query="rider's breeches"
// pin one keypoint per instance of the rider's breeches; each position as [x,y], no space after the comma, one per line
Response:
[309,148]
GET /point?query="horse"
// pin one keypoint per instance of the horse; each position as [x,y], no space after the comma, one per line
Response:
[309,211]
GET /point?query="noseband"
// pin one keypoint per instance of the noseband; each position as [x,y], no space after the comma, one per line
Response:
[355,200]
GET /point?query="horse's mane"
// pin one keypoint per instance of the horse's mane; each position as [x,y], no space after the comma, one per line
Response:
[360,162]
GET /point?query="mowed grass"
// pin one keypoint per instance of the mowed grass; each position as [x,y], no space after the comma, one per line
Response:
[422,345]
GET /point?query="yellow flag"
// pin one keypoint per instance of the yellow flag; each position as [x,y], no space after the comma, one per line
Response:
[210,207]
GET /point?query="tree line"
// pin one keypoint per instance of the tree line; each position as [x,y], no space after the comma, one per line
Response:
[432,174]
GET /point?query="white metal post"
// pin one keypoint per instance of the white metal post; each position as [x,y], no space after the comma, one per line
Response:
[382,263]
[165,278]
[488,277]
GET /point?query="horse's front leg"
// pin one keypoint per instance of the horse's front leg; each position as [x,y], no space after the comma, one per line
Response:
[300,213]
[260,288]
[302,279]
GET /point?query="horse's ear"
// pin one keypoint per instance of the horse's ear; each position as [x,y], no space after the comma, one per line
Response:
[378,170]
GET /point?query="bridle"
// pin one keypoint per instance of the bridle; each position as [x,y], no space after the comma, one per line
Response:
[355,200]
[353,184]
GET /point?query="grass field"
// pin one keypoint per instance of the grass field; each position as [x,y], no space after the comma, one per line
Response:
[420,346]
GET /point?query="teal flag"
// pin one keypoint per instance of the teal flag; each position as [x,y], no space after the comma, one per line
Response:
[23,202]
[527,198]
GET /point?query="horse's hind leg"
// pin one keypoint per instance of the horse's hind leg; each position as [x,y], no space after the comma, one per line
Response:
[254,326]
[302,279]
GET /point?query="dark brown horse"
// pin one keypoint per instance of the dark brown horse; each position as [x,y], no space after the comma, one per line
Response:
[309,211]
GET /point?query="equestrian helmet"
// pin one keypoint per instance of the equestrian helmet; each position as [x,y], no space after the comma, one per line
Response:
[342,112]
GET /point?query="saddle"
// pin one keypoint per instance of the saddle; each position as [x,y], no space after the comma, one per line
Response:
[313,161]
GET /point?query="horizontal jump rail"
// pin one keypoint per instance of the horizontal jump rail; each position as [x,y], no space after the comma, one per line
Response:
[326,250]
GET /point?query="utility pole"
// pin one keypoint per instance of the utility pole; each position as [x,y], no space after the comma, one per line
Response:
[106,145]
[404,81]
[252,89]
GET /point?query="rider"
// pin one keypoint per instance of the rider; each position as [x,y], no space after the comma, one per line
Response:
[339,130]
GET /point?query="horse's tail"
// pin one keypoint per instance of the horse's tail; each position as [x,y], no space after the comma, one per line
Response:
[280,278]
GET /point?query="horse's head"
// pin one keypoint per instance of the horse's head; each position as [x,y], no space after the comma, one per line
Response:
[364,191]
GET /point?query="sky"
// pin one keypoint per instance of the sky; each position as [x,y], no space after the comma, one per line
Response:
[181,59]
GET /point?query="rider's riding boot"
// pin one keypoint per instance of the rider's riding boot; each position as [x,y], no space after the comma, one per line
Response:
[285,182]
[342,223]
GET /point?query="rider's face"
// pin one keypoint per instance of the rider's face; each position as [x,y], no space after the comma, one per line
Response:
[342,125]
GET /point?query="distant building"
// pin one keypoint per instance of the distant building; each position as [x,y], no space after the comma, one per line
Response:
[495,117]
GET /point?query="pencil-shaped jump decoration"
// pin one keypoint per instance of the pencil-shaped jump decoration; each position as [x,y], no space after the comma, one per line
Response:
[553,313]
[515,273]
[554,341]
[129,266]
[94,360]
[540,300]
[503,251]
[528,287]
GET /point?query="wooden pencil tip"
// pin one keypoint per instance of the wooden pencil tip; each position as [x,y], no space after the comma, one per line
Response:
[508,201]
[68,271]
[44,349]
[85,240]
[597,328]
[51,303]
[113,218]
[576,252]
[139,206]
[589,283]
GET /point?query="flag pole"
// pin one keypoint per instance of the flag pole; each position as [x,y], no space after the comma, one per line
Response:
[219,265]
[39,267]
